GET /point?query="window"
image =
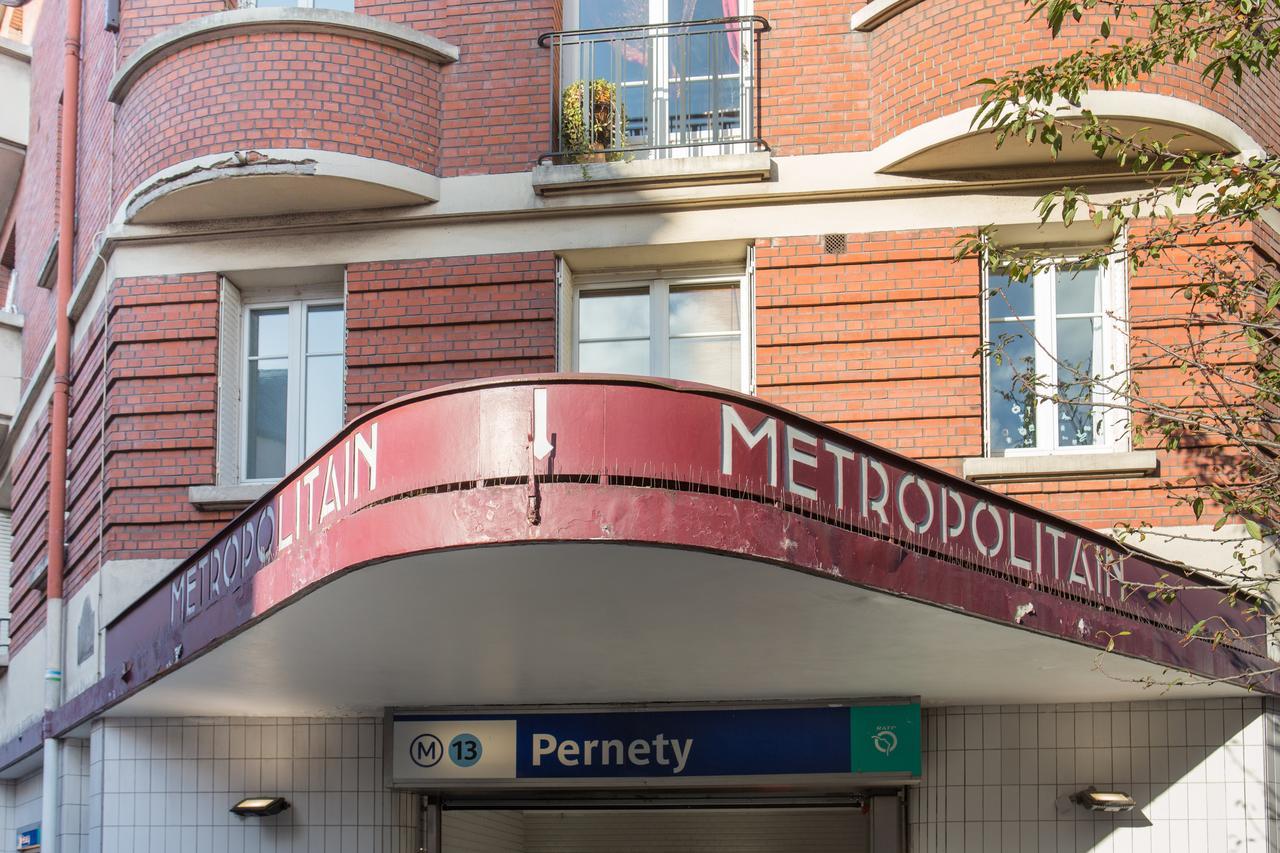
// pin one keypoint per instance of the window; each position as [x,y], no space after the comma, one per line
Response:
[1056,356]
[690,327]
[292,383]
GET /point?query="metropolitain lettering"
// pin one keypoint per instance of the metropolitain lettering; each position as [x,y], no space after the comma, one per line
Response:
[910,505]
[345,475]
[224,567]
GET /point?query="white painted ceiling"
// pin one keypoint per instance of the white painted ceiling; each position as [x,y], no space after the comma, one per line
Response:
[585,623]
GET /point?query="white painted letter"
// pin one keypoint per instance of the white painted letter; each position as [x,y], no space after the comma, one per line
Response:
[369,452]
[730,423]
[804,457]
[924,525]
[978,510]
[842,455]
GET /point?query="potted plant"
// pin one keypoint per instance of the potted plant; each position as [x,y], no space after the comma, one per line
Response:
[587,139]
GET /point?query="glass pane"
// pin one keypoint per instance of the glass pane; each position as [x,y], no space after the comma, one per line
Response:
[611,13]
[696,10]
[714,361]
[277,3]
[1011,418]
[323,404]
[324,328]
[1077,344]
[269,332]
[1078,290]
[613,314]
[268,395]
[344,5]
[704,309]
[1009,298]
[615,357]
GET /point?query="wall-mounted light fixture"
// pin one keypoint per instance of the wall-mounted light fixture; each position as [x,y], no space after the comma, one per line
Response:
[1103,801]
[260,806]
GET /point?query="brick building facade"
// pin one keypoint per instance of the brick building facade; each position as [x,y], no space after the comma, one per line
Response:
[287,215]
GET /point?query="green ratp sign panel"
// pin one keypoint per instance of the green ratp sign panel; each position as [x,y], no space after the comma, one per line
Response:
[885,739]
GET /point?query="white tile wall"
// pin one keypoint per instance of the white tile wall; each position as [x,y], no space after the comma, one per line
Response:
[167,785]
[73,787]
[996,778]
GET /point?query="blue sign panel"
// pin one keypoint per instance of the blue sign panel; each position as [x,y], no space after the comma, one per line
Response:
[684,743]
[655,745]
[29,837]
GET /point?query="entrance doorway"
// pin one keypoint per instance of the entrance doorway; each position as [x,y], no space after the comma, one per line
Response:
[667,825]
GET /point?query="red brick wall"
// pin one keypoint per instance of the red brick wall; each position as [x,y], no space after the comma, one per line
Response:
[161,411]
[414,324]
[924,63]
[496,99]
[815,86]
[877,341]
[142,19]
[36,205]
[30,472]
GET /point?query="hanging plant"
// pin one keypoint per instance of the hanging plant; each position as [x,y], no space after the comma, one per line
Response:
[586,140]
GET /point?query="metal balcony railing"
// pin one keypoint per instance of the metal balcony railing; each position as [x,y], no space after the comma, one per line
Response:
[681,89]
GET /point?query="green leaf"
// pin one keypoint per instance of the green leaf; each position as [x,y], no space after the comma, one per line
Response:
[1254,530]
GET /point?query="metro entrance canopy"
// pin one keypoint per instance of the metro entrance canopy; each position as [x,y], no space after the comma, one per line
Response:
[592,462]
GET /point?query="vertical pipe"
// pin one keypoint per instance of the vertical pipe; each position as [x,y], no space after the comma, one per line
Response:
[53,628]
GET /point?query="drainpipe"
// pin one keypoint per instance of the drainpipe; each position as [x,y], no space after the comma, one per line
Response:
[49,810]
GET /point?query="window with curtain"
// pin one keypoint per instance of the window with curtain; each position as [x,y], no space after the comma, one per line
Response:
[1056,354]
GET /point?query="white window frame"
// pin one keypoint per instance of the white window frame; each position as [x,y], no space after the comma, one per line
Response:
[1114,362]
[295,408]
[659,283]
[297,4]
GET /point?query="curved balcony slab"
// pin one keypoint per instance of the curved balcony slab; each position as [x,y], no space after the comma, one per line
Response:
[273,182]
[239,21]
[949,147]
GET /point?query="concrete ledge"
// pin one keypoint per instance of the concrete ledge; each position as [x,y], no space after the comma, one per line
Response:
[227,497]
[218,186]
[276,20]
[15,49]
[647,174]
[1065,466]
[125,581]
[877,12]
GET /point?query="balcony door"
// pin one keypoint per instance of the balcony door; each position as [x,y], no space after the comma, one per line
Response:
[685,85]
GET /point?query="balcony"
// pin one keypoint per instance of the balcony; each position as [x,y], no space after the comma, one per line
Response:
[278,111]
[654,104]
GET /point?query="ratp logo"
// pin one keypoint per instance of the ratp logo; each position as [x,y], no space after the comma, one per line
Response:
[885,741]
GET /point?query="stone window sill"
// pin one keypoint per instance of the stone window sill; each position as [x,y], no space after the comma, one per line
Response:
[650,174]
[1066,466]
[876,12]
[237,496]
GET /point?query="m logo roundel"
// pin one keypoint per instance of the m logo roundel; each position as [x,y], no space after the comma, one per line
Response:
[426,750]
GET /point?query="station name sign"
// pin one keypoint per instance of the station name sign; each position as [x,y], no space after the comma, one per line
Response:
[619,747]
